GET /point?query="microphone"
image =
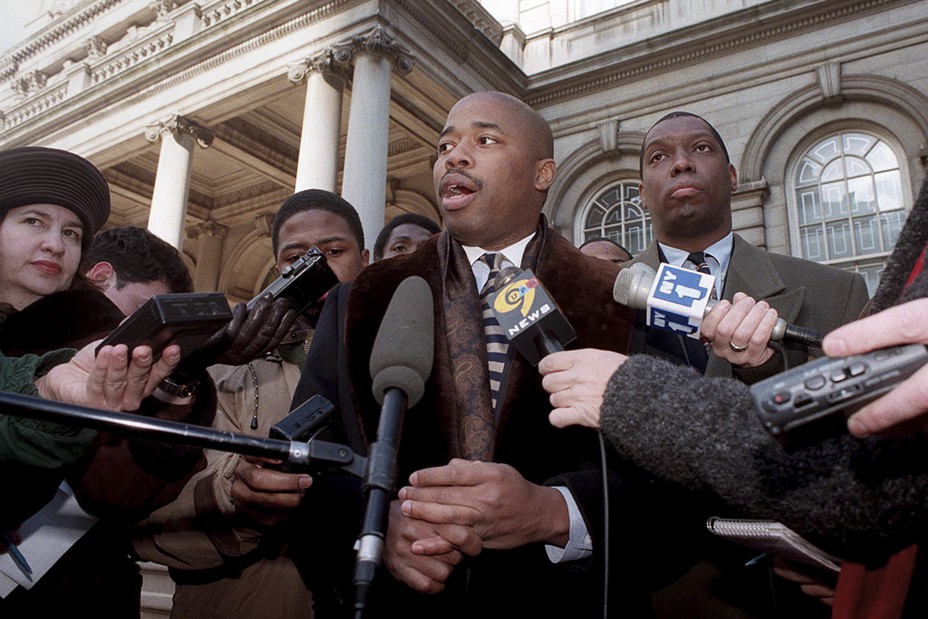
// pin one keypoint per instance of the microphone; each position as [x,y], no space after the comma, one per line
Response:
[530,318]
[401,361]
[670,298]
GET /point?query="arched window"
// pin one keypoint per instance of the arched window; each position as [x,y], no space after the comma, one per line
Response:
[849,203]
[616,213]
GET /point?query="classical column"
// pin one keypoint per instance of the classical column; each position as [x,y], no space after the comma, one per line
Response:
[209,235]
[172,180]
[365,178]
[317,167]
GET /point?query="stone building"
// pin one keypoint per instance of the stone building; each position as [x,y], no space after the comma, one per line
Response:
[205,115]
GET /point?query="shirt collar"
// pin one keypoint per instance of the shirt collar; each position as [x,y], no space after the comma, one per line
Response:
[513,253]
[720,250]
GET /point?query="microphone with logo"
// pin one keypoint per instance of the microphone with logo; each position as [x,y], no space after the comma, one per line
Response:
[529,316]
[677,299]
[401,361]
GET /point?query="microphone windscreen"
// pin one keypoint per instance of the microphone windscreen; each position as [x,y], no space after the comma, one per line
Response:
[633,285]
[403,350]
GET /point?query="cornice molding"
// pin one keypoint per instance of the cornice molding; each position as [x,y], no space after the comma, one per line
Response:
[646,60]
[101,106]
[463,48]
[53,34]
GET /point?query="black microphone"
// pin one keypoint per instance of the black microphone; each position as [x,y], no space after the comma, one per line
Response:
[401,361]
[528,315]
[633,288]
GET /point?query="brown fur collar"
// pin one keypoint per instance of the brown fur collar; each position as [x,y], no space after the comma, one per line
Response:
[582,287]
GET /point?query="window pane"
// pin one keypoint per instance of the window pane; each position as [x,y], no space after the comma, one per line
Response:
[595,218]
[891,224]
[881,157]
[867,235]
[834,197]
[889,190]
[826,150]
[839,239]
[856,167]
[808,172]
[810,209]
[833,171]
[813,247]
[871,274]
[857,143]
[861,196]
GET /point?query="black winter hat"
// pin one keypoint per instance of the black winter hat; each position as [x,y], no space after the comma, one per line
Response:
[40,175]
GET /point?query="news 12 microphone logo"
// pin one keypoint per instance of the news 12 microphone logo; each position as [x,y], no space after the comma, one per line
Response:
[516,307]
[678,299]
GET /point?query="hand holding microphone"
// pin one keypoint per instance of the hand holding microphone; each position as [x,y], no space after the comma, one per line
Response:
[677,299]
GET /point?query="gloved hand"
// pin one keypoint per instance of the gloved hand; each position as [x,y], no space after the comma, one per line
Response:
[251,334]
[248,335]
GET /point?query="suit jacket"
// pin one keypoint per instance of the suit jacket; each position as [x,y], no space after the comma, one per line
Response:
[522,580]
[804,293]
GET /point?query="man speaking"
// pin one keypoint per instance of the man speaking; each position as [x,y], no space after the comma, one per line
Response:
[504,514]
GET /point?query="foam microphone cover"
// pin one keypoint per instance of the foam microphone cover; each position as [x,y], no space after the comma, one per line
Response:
[633,285]
[404,347]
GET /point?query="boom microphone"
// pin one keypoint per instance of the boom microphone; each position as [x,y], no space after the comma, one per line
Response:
[529,316]
[635,288]
[401,361]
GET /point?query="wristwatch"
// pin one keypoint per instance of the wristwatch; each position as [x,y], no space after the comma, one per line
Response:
[179,390]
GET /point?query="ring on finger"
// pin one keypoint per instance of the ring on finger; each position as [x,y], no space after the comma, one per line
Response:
[737,348]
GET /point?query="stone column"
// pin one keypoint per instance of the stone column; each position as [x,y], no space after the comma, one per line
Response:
[172,180]
[317,167]
[365,179]
[209,253]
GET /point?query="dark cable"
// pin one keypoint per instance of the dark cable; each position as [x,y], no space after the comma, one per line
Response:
[602,453]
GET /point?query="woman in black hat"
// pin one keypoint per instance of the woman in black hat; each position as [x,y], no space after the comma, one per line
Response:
[52,203]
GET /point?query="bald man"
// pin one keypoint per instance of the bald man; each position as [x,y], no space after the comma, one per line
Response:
[499,516]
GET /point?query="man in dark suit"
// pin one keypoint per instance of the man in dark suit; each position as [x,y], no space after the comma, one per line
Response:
[504,516]
[686,184]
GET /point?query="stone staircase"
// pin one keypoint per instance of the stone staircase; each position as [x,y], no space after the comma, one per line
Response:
[157,591]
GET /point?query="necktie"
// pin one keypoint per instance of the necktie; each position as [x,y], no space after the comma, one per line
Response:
[497,342]
[698,356]
[698,259]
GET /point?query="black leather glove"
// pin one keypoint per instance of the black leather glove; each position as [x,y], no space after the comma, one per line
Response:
[248,335]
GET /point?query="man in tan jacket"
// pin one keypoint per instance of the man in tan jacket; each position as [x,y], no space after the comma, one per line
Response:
[224,538]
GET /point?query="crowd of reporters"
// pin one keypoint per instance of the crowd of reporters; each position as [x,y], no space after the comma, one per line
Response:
[231,527]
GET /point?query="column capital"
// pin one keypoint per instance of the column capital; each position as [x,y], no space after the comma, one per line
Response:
[324,62]
[377,41]
[179,126]
[264,224]
[208,228]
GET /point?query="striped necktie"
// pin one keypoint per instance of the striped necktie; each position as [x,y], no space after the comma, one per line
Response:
[497,342]
[698,259]
[697,359]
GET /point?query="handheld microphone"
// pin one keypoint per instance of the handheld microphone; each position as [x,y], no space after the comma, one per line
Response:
[401,361]
[637,285]
[529,316]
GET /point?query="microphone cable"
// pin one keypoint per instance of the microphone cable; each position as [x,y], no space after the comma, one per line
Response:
[602,453]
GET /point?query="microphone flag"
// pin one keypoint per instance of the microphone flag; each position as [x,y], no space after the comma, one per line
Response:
[678,299]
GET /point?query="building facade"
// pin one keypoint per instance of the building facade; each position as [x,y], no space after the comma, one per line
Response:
[205,115]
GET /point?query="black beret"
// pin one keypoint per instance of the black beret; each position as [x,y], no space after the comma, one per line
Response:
[39,175]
